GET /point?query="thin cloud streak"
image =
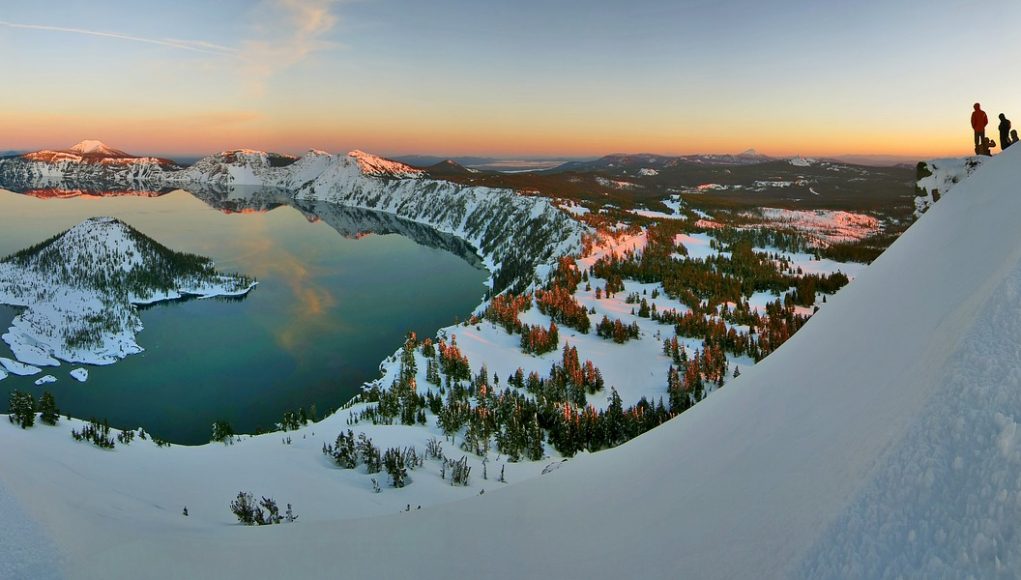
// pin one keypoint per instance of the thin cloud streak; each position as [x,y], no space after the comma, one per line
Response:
[287,32]
[191,45]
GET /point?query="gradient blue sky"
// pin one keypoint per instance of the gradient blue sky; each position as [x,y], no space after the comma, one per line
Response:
[508,78]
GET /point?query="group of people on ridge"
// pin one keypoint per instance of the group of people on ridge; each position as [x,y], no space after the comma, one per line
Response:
[984,145]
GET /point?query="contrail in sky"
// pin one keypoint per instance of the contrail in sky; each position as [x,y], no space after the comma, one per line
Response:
[192,45]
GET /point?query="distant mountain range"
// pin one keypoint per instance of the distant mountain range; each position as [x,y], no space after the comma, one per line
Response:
[622,180]
[650,161]
[476,213]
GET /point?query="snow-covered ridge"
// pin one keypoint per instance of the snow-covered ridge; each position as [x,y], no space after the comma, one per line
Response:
[380,167]
[517,236]
[78,289]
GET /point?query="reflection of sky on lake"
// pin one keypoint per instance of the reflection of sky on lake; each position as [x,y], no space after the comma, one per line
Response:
[312,302]
[326,311]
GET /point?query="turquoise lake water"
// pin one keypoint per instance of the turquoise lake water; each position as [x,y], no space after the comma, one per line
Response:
[328,308]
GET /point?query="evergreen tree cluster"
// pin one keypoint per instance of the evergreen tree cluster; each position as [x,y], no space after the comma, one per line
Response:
[223,432]
[48,411]
[96,433]
[21,409]
[785,240]
[503,309]
[538,340]
[294,420]
[565,274]
[349,452]
[716,279]
[559,304]
[263,513]
[617,330]
[452,362]
[398,461]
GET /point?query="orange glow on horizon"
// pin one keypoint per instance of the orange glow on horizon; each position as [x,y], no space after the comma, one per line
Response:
[201,134]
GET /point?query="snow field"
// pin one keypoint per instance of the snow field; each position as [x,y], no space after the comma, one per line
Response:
[855,447]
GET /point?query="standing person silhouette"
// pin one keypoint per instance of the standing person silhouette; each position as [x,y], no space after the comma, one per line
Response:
[979,120]
[1004,127]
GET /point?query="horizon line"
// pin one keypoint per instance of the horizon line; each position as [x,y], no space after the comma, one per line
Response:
[517,156]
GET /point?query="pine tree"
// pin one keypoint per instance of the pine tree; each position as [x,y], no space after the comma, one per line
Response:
[22,409]
[244,508]
[49,413]
[614,420]
[223,432]
[272,510]
[394,460]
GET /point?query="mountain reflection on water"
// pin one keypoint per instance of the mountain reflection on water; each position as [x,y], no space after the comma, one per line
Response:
[327,310]
[350,222]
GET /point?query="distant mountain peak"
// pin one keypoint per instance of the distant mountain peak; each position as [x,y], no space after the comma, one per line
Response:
[448,168]
[750,152]
[93,151]
[370,164]
[95,147]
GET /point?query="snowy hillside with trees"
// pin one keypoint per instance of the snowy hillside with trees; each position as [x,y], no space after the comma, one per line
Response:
[78,289]
[879,441]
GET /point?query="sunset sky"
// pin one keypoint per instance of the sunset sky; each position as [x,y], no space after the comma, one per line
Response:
[508,77]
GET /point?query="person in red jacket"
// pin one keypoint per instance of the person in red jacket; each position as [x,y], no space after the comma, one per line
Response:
[979,120]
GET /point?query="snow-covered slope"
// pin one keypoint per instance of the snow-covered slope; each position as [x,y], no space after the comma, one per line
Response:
[240,167]
[880,441]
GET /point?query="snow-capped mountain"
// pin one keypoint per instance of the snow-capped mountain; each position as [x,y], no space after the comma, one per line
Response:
[88,163]
[94,152]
